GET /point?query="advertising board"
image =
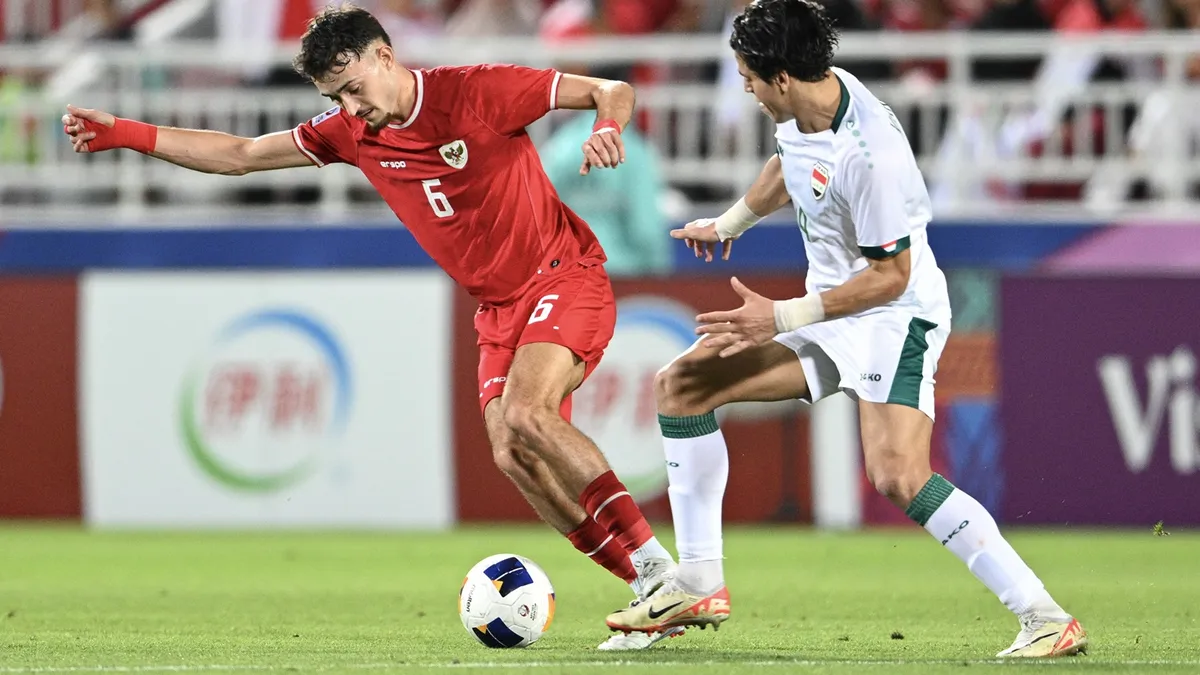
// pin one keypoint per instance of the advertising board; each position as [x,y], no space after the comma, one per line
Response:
[255,399]
[1100,406]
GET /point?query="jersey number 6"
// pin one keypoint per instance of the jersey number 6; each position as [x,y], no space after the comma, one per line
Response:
[441,205]
[543,309]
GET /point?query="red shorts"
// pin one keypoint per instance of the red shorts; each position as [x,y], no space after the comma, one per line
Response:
[572,307]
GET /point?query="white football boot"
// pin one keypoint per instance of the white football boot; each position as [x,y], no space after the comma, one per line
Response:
[1042,638]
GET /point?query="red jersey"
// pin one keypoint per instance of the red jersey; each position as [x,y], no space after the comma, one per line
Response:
[464,177]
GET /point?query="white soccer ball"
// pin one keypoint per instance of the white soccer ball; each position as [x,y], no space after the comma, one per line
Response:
[506,601]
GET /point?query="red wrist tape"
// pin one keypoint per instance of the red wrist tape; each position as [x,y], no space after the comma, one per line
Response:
[124,133]
[601,125]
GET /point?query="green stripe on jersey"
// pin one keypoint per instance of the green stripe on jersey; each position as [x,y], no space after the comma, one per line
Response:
[887,250]
[843,105]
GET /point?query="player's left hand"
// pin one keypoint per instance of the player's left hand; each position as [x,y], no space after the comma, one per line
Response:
[737,330]
[701,236]
[603,149]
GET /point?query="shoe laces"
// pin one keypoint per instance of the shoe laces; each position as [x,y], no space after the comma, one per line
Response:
[1031,622]
[671,585]
[656,572]
[653,567]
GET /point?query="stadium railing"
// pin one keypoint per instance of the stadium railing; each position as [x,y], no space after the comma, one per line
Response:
[982,144]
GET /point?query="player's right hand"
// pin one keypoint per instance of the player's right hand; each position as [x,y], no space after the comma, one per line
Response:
[701,236]
[85,127]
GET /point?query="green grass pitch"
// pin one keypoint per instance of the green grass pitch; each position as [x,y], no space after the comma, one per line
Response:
[803,602]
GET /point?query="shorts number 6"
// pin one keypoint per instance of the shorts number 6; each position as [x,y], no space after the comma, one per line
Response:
[543,309]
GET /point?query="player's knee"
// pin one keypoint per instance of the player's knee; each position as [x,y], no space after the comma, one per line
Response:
[673,394]
[513,459]
[898,480]
[505,456]
[526,420]
[665,387]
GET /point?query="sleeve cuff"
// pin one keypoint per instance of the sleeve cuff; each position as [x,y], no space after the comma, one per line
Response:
[887,250]
[554,91]
[300,145]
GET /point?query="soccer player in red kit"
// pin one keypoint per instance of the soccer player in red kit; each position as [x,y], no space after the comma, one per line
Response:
[447,150]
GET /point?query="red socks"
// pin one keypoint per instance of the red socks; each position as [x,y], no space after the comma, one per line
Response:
[608,503]
[596,543]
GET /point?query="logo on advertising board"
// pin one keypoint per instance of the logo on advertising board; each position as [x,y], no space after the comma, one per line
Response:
[1118,408]
[616,406]
[1170,397]
[262,409]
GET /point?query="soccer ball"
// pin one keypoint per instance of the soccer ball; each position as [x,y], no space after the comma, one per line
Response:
[506,601]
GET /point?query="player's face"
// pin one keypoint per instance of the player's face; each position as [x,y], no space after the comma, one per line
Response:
[364,89]
[771,100]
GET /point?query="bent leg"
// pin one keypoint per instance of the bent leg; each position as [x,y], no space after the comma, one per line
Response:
[699,381]
[688,391]
[530,474]
[542,375]
[896,441]
[540,488]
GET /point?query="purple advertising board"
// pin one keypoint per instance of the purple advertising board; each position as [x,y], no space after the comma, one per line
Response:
[1099,404]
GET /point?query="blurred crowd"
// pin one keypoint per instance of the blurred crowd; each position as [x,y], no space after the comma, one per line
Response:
[628,208]
[416,20]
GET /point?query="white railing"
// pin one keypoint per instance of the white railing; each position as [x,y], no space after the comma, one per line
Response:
[972,138]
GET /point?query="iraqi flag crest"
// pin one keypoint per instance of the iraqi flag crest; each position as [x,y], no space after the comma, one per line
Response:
[820,180]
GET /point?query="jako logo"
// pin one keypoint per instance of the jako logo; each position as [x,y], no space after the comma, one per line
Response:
[263,407]
[1171,385]
[871,377]
[961,526]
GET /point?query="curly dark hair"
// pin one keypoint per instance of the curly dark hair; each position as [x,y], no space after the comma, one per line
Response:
[785,36]
[336,37]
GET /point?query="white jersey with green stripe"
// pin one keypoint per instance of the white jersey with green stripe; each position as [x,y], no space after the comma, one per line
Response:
[859,194]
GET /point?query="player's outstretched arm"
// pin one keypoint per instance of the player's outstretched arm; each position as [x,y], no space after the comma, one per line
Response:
[767,195]
[199,150]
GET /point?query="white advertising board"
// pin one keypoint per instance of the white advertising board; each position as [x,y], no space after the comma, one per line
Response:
[266,399]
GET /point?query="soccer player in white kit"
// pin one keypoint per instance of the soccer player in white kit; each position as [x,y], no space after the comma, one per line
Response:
[872,324]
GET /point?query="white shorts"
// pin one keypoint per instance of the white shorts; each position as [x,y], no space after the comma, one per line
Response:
[887,356]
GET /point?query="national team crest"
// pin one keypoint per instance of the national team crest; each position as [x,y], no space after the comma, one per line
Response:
[454,153]
[820,180]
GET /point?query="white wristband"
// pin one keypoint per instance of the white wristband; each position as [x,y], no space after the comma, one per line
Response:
[735,221]
[798,312]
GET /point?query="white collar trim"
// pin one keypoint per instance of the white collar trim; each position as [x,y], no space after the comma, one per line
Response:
[417,106]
